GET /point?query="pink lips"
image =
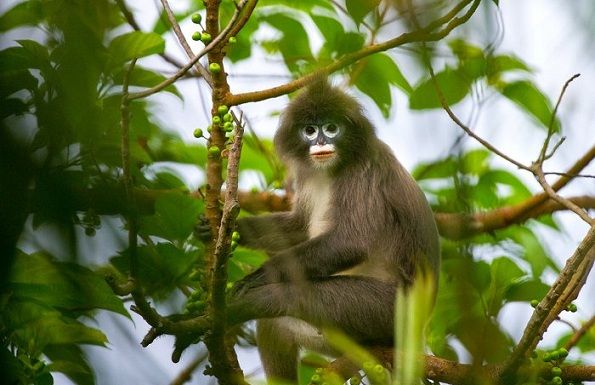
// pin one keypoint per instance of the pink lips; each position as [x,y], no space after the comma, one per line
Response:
[323,155]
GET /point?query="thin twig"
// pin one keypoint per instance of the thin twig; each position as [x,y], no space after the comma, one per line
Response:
[543,154]
[186,374]
[180,35]
[214,43]
[538,172]
[578,334]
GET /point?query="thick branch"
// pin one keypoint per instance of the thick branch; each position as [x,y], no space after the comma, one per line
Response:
[451,372]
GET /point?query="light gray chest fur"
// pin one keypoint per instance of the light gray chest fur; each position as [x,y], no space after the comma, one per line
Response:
[315,194]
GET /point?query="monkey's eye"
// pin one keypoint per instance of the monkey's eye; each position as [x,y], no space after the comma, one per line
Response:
[310,132]
[330,130]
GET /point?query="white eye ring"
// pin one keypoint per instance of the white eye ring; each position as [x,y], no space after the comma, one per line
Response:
[330,130]
[310,131]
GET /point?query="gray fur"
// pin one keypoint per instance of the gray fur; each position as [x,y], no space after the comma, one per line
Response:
[376,232]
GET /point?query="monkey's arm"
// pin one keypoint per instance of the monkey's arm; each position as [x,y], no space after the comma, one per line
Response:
[318,257]
[273,232]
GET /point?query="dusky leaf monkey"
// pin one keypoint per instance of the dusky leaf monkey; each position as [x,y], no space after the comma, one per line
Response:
[360,227]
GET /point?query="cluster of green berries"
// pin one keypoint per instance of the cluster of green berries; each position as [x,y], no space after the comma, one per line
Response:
[196,303]
[204,36]
[555,355]
[375,372]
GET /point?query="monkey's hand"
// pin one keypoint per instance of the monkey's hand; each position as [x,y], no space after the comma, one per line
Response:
[275,270]
[202,229]
[253,280]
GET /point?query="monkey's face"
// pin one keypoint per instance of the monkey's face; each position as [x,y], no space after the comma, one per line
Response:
[324,128]
[320,139]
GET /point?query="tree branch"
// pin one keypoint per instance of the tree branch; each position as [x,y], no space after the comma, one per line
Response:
[183,42]
[451,372]
[182,71]
[563,291]
[579,333]
[424,34]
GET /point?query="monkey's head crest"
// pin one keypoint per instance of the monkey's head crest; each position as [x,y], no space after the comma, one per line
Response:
[323,127]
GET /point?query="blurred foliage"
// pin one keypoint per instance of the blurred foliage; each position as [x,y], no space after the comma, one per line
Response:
[60,95]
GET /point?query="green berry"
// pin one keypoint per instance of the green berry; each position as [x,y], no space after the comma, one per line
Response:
[368,366]
[198,133]
[196,18]
[214,68]
[227,117]
[557,380]
[205,37]
[196,36]
[562,352]
[234,245]
[555,354]
[232,40]
[534,303]
[378,369]
[315,379]
[572,308]
[216,120]
[209,128]
[355,380]
[235,236]
[222,109]
[214,151]
[556,371]
[228,126]
[318,371]
[547,357]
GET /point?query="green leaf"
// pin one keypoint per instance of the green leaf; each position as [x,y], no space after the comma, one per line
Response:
[302,5]
[453,84]
[254,159]
[503,273]
[249,257]
[527,96]
[516,189]
[169,148]
[441,169]
[71,361]
[134,44]
[526,290]
[294,45]
[374,78]
[161,268]
[531,248]
[504,63]
[34,326]
[62,285]
[475,162]
[162,23]
[358,9]
[13,81]
[175,217]
[24,13]
[12,106]
[144,77]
